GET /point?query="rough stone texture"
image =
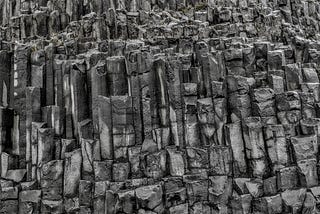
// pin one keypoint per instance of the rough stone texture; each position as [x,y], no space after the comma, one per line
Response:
[159,106]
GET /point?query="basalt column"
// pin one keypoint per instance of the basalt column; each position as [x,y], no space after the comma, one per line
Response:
[20,80]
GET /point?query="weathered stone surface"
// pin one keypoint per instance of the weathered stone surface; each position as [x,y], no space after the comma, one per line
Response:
[255,188]
[45,146]
[270,186]
[72,173]
[255,146]
[102,170]
[234,139]
[176,162]
[120,171]
[271,204]
[197,188]
[305,147]
[87,150]
[170,106]
[220,189]
[155,165]
[9,193]
[241,204]
[293,200]
[16,175]
[52,206]
[197,158]
[9,206]
[125,201]
[85,193]
[277,147]
[287,178]
[308,169]
[52,180]
[239,185]
[29,201]
[175,197]
[220,160]
[100,196]
[149,197]
[105,128]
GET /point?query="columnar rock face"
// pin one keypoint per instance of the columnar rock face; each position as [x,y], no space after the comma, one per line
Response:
[171,106]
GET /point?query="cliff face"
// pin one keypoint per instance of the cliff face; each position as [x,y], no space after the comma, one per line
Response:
[159,106]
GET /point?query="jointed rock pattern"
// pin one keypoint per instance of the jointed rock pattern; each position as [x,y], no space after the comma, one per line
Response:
[159,106]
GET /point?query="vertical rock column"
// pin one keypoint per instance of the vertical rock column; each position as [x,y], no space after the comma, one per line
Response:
[305,148]
[263,103]
[105,128]
[98,78]
[220,118]
[277,148]
[34,149]
[239,99]
[58,67]
[255,147]
[117,81]
[67,100]
[175,99]
[15,28]
[191,126]
[46,147]
[234,62]
[261,51]
[234,139]
[123,135]
[72,176]
[79,95]
[162,99]
[52,186]
[20,77]
[6,125]
[205,111]
[5,72]
[33,108]
[289,111]
[38,69]
[33,114]
[137,108]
